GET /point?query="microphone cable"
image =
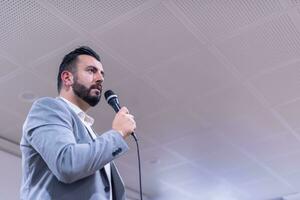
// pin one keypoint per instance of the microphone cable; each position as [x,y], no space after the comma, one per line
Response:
[139,164]
[113,101]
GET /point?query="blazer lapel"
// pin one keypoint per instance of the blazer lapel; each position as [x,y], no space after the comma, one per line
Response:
[118,188]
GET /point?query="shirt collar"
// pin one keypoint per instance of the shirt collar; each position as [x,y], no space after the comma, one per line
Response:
[82,115]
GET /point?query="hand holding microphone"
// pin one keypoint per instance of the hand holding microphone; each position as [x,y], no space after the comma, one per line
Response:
[124,122]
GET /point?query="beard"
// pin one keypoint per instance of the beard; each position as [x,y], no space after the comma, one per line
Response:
[85,93]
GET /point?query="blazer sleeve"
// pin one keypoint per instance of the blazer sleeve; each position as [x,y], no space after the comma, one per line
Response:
[48,128]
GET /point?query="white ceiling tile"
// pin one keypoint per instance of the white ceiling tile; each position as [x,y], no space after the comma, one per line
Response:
[199,145]
[222,161]
[48,69]
[152,159]
[174,194]
[140,97]
[93,14]
[246,174]
[217,18]
[149,38]
[281,85]
[195,74]
[28,30]
[293,179]
[238,115]
[169,125]
[221,190]
[185,173]
[290,113]
[266,189]
[14,134]
[6,67]
[286,164]
[9,119]
[264,47]
[24,82]
[273,147]
[11,125]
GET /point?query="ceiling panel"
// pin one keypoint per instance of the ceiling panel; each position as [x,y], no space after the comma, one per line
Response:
[238,115]
[291,112]
[246,174]
[185,173]
[218,18]
[222,190]
[14,131]
[226,160]
[197,146]
[195,74]
[94,14]
[28,31]
[169,125]
[153,159]
[273,147]
[285,165]
[25,85]
[140,97]
[174,194]
[294,180]
[6,67]
[280,85]
[163,38]
[266,189]
[263,47]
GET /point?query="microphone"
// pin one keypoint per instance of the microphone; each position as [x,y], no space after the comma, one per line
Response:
[113,101]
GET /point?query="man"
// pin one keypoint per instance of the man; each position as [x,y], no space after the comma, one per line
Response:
[62,157]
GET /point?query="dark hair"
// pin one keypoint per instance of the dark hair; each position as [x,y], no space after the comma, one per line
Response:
[69,61]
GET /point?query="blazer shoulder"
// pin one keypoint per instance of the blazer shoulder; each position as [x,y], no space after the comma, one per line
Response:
[50,103]
[48,110]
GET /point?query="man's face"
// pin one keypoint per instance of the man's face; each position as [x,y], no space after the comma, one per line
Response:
[88,79]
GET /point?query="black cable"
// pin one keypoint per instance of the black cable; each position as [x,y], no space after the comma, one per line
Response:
[112,100]
[139,163]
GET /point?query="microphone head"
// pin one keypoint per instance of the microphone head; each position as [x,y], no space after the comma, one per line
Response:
[112,100]
[107,94]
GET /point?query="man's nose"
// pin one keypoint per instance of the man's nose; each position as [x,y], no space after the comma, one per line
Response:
[99,77]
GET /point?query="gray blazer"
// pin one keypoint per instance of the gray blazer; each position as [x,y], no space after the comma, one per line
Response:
[60,160]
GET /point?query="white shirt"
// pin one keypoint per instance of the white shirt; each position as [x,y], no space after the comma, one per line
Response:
[88,121]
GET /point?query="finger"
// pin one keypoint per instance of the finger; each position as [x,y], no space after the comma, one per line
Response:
[124,110]
[130,116]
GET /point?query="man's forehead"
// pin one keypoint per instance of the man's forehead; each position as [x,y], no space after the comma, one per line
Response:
[86,60]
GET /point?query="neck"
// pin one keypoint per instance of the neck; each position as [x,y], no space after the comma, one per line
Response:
[70,96]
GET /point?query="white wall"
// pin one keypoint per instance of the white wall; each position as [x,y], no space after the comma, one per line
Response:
[10,176]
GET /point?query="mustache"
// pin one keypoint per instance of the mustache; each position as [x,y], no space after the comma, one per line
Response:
[96,86]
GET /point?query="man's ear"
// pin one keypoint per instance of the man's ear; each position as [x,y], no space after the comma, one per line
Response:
[67,78]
